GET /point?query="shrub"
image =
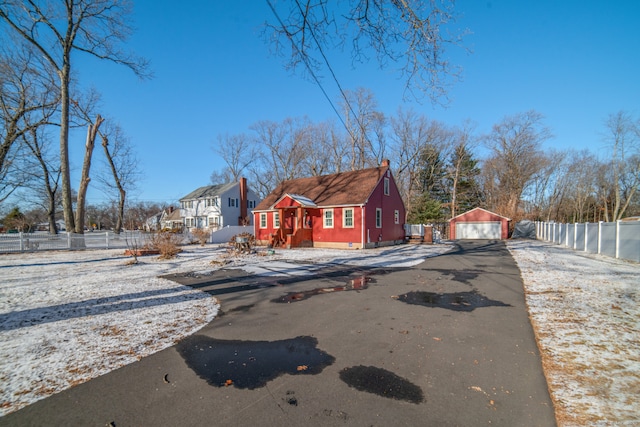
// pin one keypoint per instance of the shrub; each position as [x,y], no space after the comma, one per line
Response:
[166,243]
[201,235]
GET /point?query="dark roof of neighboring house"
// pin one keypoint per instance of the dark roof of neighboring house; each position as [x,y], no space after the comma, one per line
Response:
[346,188]
[209,191]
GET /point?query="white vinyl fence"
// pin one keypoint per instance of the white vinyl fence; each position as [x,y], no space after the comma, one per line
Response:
[225,234]
[25,242]
[620,239]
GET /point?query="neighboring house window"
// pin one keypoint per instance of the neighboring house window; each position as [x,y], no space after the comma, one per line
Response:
[213,220]
[216,202]
[237,204]
[396,216]
[347,217]
[263,220]
[276,220]
[378,218]
[328,218]
[386,186]
[231,202]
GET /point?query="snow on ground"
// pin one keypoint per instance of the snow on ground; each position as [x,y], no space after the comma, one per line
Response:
[586,313]
[67,317]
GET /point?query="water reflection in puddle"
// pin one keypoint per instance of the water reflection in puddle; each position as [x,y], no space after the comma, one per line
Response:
[458,301]
[251,364]
[359,283]
[381,382]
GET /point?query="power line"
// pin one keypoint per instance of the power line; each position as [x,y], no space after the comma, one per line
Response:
[305,60]
[333,74]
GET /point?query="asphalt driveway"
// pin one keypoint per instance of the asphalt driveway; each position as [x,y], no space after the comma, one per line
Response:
[445,343]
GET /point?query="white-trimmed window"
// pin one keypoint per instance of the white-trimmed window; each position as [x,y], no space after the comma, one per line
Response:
[327,217]
[386,186]
[347,217]
[396,216]
[276,220]
[378,217]
[263,220]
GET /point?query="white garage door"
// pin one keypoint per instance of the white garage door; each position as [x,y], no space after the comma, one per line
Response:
[478,230]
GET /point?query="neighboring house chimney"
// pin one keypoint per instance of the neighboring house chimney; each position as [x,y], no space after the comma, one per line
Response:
[243,201]
[386,163]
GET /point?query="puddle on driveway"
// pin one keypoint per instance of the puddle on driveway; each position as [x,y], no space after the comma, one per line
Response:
[381,382]
[251,364]
[458,301]
[356,284]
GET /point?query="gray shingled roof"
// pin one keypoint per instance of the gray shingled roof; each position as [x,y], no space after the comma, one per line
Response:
[209,191]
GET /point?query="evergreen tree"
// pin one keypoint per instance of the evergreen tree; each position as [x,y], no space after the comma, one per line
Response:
[462,181]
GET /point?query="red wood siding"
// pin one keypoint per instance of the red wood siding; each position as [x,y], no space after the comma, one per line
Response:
[361,234]
[390,231]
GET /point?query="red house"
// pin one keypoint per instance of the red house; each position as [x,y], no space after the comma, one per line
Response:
[358,209]
[479,223]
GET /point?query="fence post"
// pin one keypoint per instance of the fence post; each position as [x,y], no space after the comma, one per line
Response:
[107,237]
[68,240]
[21,242]
[599,237]
[617,239]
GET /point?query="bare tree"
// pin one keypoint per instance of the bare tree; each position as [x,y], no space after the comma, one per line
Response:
[56,29]
[46,173]
[410,34]
[237,152]
[92,134]
[122,167]
[27,102]
[548,187]
[282,152]
[516,156]
[326,149]
[623,139]
[364,124]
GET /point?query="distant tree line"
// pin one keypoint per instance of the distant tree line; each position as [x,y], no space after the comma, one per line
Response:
[444,170]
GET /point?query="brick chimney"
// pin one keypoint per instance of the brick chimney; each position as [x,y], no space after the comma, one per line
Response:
[243,201]
[386,163]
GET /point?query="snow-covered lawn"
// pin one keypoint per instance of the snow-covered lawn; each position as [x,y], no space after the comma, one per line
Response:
[586,313]
[67,317]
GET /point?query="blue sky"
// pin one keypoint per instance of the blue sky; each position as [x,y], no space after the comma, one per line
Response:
[575,62]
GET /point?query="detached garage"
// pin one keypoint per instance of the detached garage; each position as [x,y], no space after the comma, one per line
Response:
[479,223]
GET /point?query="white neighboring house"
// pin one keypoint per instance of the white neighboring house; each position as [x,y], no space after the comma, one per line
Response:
[217,206]
[168,219]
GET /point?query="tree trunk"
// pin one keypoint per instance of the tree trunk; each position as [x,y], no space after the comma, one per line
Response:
[92,133]
[119,221]
[116,179]
[67,203]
